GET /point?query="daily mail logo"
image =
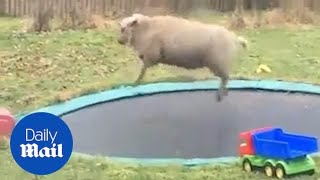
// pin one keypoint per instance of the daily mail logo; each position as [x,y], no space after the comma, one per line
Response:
[32,150]
[41,143]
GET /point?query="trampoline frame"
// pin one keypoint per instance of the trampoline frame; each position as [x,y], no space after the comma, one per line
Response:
[167,87]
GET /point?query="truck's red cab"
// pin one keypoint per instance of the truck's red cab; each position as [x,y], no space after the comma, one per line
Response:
[246,142]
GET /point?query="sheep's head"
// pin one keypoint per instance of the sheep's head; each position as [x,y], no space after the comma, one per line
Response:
[126,25]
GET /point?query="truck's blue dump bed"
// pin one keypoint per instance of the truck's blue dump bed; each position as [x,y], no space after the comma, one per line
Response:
[274,143]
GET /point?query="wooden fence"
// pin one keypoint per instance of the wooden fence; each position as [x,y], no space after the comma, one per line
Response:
[62,7]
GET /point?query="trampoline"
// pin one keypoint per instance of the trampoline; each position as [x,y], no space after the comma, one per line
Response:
[183,121]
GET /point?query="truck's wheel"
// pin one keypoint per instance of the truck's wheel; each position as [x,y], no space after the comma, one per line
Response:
[280,171]
[269,170]
[246,165]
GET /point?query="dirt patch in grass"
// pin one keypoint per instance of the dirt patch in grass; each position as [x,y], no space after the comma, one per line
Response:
[44,20]
[302,16]
[78,19]
[273,18]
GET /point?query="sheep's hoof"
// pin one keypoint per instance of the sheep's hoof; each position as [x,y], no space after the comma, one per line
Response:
[226,92]
[219,97]
[137,82]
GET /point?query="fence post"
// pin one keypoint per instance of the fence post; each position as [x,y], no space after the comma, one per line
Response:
[2,7]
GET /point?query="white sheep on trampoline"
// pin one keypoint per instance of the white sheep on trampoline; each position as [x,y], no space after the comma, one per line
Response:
[183,43]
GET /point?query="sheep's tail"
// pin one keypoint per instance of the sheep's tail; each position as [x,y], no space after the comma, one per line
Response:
[243,42]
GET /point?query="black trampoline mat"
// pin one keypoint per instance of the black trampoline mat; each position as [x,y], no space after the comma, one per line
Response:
[188,124]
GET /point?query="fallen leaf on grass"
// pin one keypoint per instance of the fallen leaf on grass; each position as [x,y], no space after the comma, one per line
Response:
[263,68]
[35,177]
[312,60]
[64,96]
[26,100]
[4,143]
[100,73]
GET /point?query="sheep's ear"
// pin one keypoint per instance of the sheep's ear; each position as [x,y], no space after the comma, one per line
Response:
[134,22]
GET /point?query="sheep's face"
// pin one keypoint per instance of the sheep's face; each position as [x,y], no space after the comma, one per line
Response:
[126,26]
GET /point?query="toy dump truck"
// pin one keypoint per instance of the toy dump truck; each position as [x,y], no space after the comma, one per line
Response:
[279,154]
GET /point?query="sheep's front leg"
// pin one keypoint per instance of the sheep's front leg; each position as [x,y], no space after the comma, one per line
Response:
[147,60]
[142,72]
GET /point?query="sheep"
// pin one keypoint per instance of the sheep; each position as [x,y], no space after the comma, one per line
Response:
[184,43]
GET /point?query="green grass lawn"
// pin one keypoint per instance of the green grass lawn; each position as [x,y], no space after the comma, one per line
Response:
[38,70]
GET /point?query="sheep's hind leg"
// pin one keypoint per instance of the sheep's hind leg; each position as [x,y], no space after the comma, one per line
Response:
[222,91]
[224,78]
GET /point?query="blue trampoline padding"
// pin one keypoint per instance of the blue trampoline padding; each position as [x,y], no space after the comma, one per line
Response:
[221,161]
[140,90]
[167,161]
[134,91]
